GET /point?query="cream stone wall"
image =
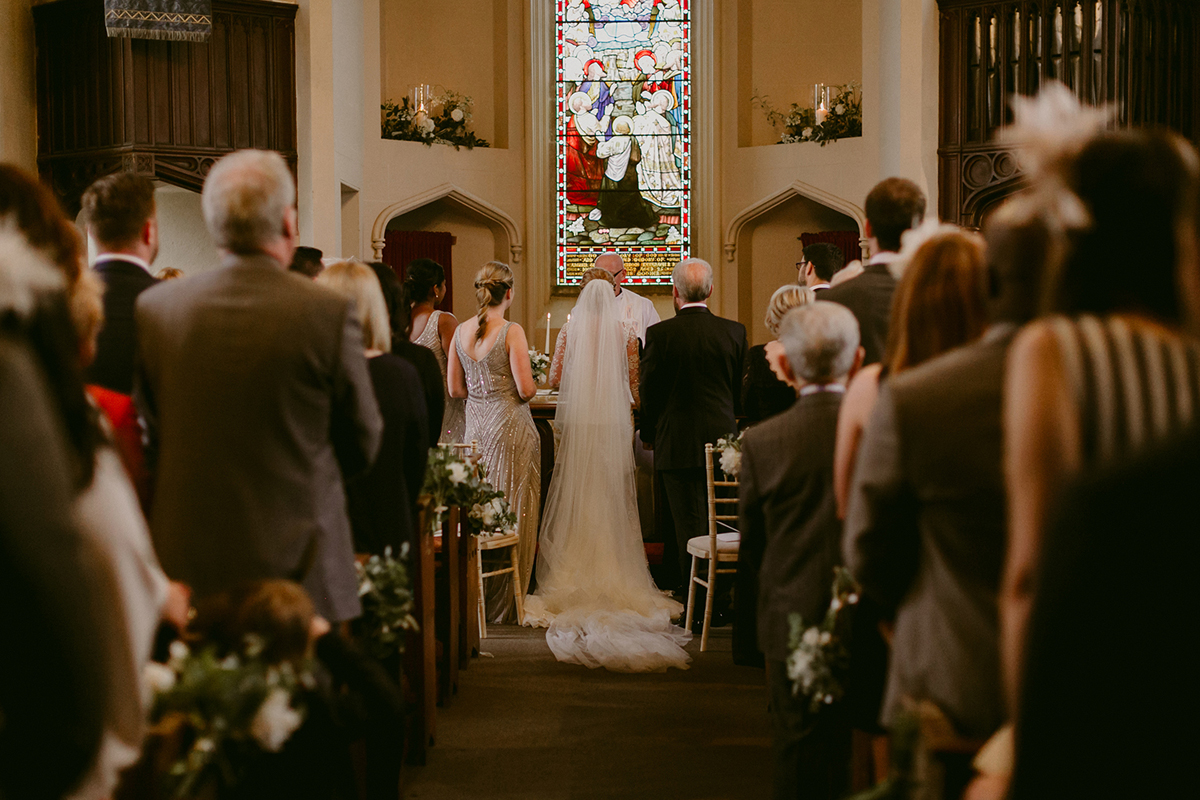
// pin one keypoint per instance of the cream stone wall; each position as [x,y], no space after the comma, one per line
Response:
[184,242]
[18,123]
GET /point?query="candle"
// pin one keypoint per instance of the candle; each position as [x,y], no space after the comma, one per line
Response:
[821,115]
[547,333]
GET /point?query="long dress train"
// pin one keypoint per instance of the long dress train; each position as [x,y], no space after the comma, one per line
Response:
[595,593]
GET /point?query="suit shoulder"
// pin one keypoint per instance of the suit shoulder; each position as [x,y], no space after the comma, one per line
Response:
[951,368]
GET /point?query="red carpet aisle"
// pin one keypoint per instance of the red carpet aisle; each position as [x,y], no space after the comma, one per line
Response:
[526,726]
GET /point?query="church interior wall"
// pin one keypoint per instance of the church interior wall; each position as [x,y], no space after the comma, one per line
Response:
[184,242]
[18,134]
[348,133]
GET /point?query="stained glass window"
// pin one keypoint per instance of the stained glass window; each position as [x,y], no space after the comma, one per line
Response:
[623,128]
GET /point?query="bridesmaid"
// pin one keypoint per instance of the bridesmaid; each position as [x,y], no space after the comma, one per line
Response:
[489,366]
[424,288]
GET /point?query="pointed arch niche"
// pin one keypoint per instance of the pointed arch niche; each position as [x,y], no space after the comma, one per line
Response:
[763,242]
[482,233]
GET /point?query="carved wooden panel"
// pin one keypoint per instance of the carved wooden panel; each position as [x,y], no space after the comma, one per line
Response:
[1140,56]
[167,110]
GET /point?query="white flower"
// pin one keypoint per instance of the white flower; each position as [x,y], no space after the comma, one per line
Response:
[826,638]
[426,126]
[840,108]
[365,587]
[179,653]
[204,745]
[458,473]
[811,637]
[836,604]
[807,132]
[731,462]
[457,115]
[275,721]
[159,677]
[230,662]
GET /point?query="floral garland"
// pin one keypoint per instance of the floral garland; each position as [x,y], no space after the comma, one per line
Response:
[447,126]
[729,448]
[236,707]
[844,119]
[819,656]
[387,601]
[539,363]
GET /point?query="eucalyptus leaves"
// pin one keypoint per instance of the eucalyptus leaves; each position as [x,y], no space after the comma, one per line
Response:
[841,120]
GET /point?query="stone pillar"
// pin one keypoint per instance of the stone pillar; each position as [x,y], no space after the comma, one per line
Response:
[318,192]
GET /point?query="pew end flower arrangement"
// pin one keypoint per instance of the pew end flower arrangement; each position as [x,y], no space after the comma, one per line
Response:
[819,658]
[843,118]
[386,594]
[539,364]
[729,450]
[227,710]
[454,480]
[447,121]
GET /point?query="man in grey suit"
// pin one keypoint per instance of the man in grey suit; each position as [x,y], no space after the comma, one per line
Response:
[925,527]
[257,401]
[789,524]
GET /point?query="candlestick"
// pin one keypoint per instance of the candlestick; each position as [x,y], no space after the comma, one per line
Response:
[821,115]
[547,333]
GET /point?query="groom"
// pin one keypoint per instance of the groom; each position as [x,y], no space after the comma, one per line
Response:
[691,373]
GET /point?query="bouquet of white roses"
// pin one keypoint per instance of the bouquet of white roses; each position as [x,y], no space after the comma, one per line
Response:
[729,448]
[819,657]
[539,362]
[235,707]
[490,512]
[387,602]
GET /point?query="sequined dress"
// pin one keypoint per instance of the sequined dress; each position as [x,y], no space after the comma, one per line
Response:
[453,420]
[508,443]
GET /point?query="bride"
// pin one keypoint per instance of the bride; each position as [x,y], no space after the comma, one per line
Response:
[595,594]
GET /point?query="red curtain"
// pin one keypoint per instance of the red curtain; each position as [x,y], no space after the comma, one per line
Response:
[401,247]
[846,240]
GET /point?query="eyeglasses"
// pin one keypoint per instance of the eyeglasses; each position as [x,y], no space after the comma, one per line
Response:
[802,264]
[619,273]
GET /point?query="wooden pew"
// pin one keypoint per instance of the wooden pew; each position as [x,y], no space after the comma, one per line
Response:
[468,592]
[448,606]
[420,665]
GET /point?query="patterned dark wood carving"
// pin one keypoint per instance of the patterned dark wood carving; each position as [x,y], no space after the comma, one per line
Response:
[1140,56]
[167,110]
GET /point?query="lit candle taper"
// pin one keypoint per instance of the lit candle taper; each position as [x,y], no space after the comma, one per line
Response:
[547,333]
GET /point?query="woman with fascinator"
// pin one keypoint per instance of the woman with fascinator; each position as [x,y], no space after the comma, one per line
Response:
[595,594]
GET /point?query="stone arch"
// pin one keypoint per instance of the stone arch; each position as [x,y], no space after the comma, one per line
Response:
[797,189]
[465,199]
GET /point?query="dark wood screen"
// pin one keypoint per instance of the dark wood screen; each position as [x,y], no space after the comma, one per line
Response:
[1140,56]
[167,110]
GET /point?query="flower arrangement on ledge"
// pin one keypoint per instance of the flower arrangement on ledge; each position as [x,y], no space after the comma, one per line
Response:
[438,119]
[837,116]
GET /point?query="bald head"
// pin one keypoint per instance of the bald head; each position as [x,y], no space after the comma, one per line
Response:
[693,279]
[613,264]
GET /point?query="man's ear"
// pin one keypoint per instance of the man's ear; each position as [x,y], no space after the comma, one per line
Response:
[291,223]
[859,355]
[867,232]
[789,374]
[149,231]
[710,291]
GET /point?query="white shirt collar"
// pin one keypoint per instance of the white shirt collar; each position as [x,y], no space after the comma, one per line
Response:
[886,257]
[819,286]
[701,304]
[105,257]
[816,388]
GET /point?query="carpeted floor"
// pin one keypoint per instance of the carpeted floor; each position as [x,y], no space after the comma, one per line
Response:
[525,726]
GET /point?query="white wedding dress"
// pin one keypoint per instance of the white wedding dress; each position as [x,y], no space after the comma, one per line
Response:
[595,594]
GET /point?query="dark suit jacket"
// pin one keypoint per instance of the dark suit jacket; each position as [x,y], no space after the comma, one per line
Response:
[925,530]
[763,394]
[869,296]
[788,516]
[1117,571]
[255,393]
[383,501]
[691,380]
[117,342]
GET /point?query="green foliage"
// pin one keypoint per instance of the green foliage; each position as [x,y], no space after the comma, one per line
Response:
[800,124]
[819,658]
[452,480]
[387,600]
[449,125]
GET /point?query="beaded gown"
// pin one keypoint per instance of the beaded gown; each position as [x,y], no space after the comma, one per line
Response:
[453,419]
[500,421]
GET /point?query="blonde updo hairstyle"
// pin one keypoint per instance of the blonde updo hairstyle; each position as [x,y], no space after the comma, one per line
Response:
[492,282]
[597,274]
[784,299]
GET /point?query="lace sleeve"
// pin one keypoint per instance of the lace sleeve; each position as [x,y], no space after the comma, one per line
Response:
[631,350]
[556,364]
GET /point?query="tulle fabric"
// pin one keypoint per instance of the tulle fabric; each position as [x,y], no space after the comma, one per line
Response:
[595,593]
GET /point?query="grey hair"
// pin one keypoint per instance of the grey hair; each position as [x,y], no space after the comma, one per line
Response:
[245,200]
[693,279]
[784,299]
[820,340]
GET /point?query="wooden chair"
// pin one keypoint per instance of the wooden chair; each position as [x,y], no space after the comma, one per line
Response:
[716,548]
[498,541]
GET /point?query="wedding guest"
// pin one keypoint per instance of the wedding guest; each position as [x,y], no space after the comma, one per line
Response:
[691,370]
[422,358]
[790,527]
[893,206]
[307,261]
[925,528]
[820,262]
[169,274]
[53,690]
[631,344]
[640,310]
[764,392]
[382,502]
[489,367]
[940,303]
[424,290]
[257,402]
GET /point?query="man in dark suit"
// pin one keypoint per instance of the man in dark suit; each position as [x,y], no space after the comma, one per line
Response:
[789,524]
[893,206]
[925,527]
[121,219]
[255,394]
[821,261]
[691,376]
